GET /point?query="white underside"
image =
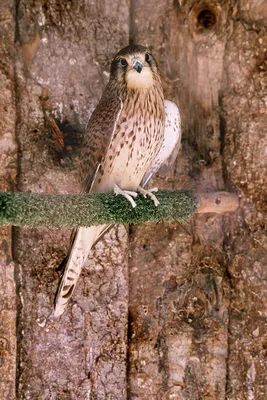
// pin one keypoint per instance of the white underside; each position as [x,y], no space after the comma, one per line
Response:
[172,138]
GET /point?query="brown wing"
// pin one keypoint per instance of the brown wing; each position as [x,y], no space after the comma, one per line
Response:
[98,136]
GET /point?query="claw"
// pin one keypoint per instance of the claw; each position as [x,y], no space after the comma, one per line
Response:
[128,194]
[149,193]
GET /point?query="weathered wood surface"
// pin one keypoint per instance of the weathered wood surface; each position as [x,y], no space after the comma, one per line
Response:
[8,169]
[197,303]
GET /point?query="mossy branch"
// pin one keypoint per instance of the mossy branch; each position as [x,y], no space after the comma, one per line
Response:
[106,208]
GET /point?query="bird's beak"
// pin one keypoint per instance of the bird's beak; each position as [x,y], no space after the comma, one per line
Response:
[137,65]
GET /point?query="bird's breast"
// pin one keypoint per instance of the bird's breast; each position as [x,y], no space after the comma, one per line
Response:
[134,145]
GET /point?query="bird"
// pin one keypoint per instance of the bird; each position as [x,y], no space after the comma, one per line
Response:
[121,142]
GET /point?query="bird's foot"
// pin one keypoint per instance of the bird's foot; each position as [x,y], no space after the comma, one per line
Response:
[126,193]
[149,193]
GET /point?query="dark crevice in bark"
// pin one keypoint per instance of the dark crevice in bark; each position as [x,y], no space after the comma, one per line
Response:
[19,327]
[17,36]
[17,271]
[131,22]
[128,356]
[228,277]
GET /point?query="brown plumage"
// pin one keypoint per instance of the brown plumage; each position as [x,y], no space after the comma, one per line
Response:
[122,139]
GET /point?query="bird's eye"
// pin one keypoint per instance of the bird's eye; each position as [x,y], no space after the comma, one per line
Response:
[148,58]
[123,62]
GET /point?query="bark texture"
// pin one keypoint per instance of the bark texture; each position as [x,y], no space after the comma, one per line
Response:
[8,169]
[197,308]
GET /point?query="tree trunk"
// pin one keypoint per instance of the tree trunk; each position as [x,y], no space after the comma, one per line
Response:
[191,323]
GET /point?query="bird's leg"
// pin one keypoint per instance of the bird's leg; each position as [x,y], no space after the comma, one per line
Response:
[149,193]
[126,193]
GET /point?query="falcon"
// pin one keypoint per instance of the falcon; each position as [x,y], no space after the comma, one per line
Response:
[124,144]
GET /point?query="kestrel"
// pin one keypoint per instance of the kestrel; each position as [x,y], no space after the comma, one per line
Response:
[123,139]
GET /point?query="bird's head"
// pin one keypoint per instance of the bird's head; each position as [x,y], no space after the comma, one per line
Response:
[135,67]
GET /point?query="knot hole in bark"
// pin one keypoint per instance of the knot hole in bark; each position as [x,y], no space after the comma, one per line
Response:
[206,19]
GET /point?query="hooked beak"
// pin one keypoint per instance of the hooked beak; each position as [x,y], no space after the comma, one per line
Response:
[138,66]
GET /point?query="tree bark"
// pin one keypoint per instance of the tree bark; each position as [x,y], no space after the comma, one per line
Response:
[195,325]
[8,169]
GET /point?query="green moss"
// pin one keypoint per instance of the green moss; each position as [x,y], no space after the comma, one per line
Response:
[92,209]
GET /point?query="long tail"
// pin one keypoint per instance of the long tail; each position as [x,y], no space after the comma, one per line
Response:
[82,244]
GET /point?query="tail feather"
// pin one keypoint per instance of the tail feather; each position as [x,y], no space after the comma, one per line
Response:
[82,244]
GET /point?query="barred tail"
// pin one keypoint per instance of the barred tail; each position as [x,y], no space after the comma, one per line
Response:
[82,244]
